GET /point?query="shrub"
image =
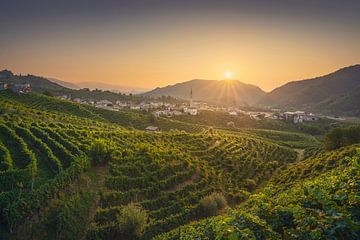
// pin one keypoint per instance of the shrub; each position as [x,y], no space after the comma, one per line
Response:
[132,221]
[101,151]
[250,184]
[211,204]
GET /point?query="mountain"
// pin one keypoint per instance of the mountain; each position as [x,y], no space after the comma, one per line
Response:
[314,94]
[347,104]
[227,92]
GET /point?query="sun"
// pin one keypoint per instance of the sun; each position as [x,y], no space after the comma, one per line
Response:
[228,74]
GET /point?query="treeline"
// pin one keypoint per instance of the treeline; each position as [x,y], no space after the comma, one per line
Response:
[340,137]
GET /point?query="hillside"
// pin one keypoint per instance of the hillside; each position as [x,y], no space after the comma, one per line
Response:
[68,171]
[58,88]
[225,92]
[38,84]
[324,205]
[307,94]
[345,104]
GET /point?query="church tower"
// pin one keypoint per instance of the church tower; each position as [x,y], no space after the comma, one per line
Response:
[191,98]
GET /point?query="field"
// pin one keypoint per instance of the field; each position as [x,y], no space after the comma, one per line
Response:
[70,172]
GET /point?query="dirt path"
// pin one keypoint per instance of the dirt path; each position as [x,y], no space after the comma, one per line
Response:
[97,177]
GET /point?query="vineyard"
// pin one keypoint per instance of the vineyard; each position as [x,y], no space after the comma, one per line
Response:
[72,172]
[325,206]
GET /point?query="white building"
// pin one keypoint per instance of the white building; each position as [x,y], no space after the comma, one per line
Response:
[152,129]
[295,117]
[192,111]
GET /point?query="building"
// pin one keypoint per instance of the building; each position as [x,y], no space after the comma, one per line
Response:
[191,98]
[21,88]
[104,103]
[152,129]
[311,117]
[191,109]
[233,113]
[4,86]
[295,117]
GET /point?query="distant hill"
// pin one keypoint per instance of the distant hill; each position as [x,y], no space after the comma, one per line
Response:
[5,74]
[57,87]
[336,92]
[110,87]
[65,83]
[228,92]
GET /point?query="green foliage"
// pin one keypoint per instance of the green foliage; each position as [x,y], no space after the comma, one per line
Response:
[132,221]
[5,158]
[339,137]
[168,177]
[72,216]
[323,207]
[101,151]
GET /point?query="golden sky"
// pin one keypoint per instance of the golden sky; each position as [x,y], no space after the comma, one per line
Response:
[157,50]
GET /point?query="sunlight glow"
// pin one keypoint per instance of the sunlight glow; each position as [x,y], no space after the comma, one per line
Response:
[228,75]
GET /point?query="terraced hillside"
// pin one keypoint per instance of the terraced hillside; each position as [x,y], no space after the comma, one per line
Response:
[69,173]
[324,205]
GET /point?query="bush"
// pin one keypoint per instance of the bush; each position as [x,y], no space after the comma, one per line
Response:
[101,151]
[132,221]
[250,184]
[211,204]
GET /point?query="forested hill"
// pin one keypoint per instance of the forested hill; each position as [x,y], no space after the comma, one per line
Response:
[337,92]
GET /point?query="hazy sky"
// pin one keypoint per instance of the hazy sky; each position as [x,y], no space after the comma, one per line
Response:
[150,43]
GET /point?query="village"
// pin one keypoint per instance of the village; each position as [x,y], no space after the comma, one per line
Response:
[192,108]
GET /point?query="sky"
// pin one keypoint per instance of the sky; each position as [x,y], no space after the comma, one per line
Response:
[153,43]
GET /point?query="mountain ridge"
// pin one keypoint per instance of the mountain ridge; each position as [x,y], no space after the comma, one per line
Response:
[308,93]
[212,91]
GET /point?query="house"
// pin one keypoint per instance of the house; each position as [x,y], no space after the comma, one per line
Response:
[233,113]
[104,103]
[311,117]
[21,88]
[4,86]
[152,129]
[295,117]
[192,111]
